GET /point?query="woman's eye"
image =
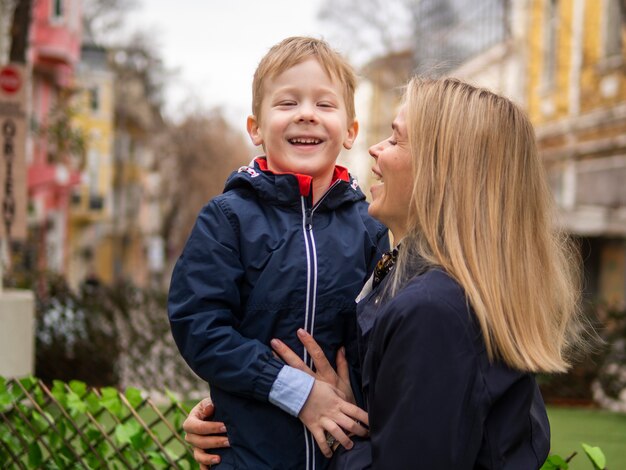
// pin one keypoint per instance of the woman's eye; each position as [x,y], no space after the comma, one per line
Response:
[392,142]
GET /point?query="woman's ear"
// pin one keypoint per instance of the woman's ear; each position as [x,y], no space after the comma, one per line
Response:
[254,131]
[353,130]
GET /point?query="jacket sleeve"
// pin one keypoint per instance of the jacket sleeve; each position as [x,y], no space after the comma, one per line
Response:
[423,394]
[204,310]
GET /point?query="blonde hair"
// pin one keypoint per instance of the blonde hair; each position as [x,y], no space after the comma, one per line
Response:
[482,210]
[297,49]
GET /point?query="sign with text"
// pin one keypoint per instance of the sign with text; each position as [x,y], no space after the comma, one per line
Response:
[13,151]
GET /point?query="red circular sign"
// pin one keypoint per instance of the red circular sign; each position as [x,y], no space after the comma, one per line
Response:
[10,79]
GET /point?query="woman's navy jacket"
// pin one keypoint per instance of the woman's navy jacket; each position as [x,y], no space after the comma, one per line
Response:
[260,263]
[435,400]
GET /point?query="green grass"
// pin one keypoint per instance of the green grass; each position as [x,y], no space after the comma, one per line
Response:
[571,426]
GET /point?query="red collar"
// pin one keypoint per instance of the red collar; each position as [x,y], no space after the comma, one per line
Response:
[304,181]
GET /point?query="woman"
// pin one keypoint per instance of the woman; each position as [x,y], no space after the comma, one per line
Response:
[483,294]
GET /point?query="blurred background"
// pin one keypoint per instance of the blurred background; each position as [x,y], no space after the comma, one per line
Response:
[122,118]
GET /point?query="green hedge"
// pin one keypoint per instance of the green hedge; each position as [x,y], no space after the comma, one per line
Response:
[70,426]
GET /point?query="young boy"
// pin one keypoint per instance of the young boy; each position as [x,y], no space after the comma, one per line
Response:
[288,245]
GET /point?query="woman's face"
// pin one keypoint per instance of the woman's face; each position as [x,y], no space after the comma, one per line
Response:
[391,196]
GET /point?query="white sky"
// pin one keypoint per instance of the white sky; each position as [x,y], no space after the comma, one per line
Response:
[217,44]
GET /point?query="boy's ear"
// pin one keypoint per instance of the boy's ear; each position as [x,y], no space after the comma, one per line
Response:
[353,130]
[254,131]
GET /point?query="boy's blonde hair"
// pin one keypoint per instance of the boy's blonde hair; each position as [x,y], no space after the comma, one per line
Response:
[482,210]
[297,49]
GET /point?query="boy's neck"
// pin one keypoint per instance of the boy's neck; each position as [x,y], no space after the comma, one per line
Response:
[320,185]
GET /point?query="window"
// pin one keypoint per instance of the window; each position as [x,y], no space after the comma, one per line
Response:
[550,34]
[613,28]
[57,9]
[94,99]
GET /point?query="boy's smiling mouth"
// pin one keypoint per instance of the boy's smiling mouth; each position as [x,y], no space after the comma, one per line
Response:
[304,141]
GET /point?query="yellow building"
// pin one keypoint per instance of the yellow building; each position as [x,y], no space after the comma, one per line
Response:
[91,208]
[576,88]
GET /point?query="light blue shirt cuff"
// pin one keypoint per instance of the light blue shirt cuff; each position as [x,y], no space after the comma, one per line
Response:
[291,389]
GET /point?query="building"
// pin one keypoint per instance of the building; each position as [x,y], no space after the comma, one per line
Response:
[577,101]
[564,62]
[91,213]
[54,150]
[135,244]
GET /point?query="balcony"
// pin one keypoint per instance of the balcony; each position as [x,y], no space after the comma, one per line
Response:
[55,41]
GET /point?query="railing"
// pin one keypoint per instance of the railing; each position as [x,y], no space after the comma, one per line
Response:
[69,426]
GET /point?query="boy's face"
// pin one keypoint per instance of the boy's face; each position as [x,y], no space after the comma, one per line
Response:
[303,122]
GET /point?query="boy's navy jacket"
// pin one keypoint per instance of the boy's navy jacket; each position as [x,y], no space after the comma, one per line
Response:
[260,263]
[435,400]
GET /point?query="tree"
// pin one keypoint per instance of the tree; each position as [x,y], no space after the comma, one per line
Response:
[197,156]
[103,18]
[369,28]
[19,31]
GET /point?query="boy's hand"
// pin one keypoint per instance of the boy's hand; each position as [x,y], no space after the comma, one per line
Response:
[323,370]
[204,434]
[325,411]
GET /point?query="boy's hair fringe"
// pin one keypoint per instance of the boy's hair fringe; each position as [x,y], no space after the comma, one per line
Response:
[294,50]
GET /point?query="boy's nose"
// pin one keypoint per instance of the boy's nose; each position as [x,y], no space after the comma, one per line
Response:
[306,113]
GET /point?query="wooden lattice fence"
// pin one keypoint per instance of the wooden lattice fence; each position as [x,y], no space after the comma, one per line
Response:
[70,426]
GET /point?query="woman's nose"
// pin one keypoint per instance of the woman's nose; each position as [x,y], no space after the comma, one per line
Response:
[375,149]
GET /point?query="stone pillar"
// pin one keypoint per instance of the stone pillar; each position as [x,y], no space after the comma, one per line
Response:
[17,333]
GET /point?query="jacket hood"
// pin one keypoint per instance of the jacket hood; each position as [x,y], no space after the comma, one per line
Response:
[287,188]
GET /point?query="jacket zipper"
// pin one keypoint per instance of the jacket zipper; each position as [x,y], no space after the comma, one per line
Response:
[311,255]
[311,295]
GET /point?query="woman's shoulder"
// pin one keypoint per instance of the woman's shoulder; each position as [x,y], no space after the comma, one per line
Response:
[432,297]
[433,289]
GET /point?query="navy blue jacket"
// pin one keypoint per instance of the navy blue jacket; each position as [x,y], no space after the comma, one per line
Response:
[260,263]
[435,401]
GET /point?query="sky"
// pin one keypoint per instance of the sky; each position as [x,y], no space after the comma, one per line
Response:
[216,45]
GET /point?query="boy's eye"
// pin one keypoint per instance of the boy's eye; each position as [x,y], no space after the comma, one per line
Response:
[325,104]
[286,103]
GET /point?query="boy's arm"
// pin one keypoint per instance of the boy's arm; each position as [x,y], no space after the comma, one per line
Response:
[203,304]
[291,389]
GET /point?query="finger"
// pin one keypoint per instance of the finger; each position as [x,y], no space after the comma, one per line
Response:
[322,366]
[203,458]
[290,357]
[351,426]
[205,408]
[335,430]
[193,425]
[207,442]
[355,413]
[342,365]
[320,438]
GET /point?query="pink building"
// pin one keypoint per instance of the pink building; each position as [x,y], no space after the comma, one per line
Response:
[54,53]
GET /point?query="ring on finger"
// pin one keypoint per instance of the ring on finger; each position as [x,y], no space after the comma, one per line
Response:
[330,440]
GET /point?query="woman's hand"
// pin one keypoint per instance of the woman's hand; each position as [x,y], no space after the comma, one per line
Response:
[326,412]
[323,370]
[204,434]
[330,407]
